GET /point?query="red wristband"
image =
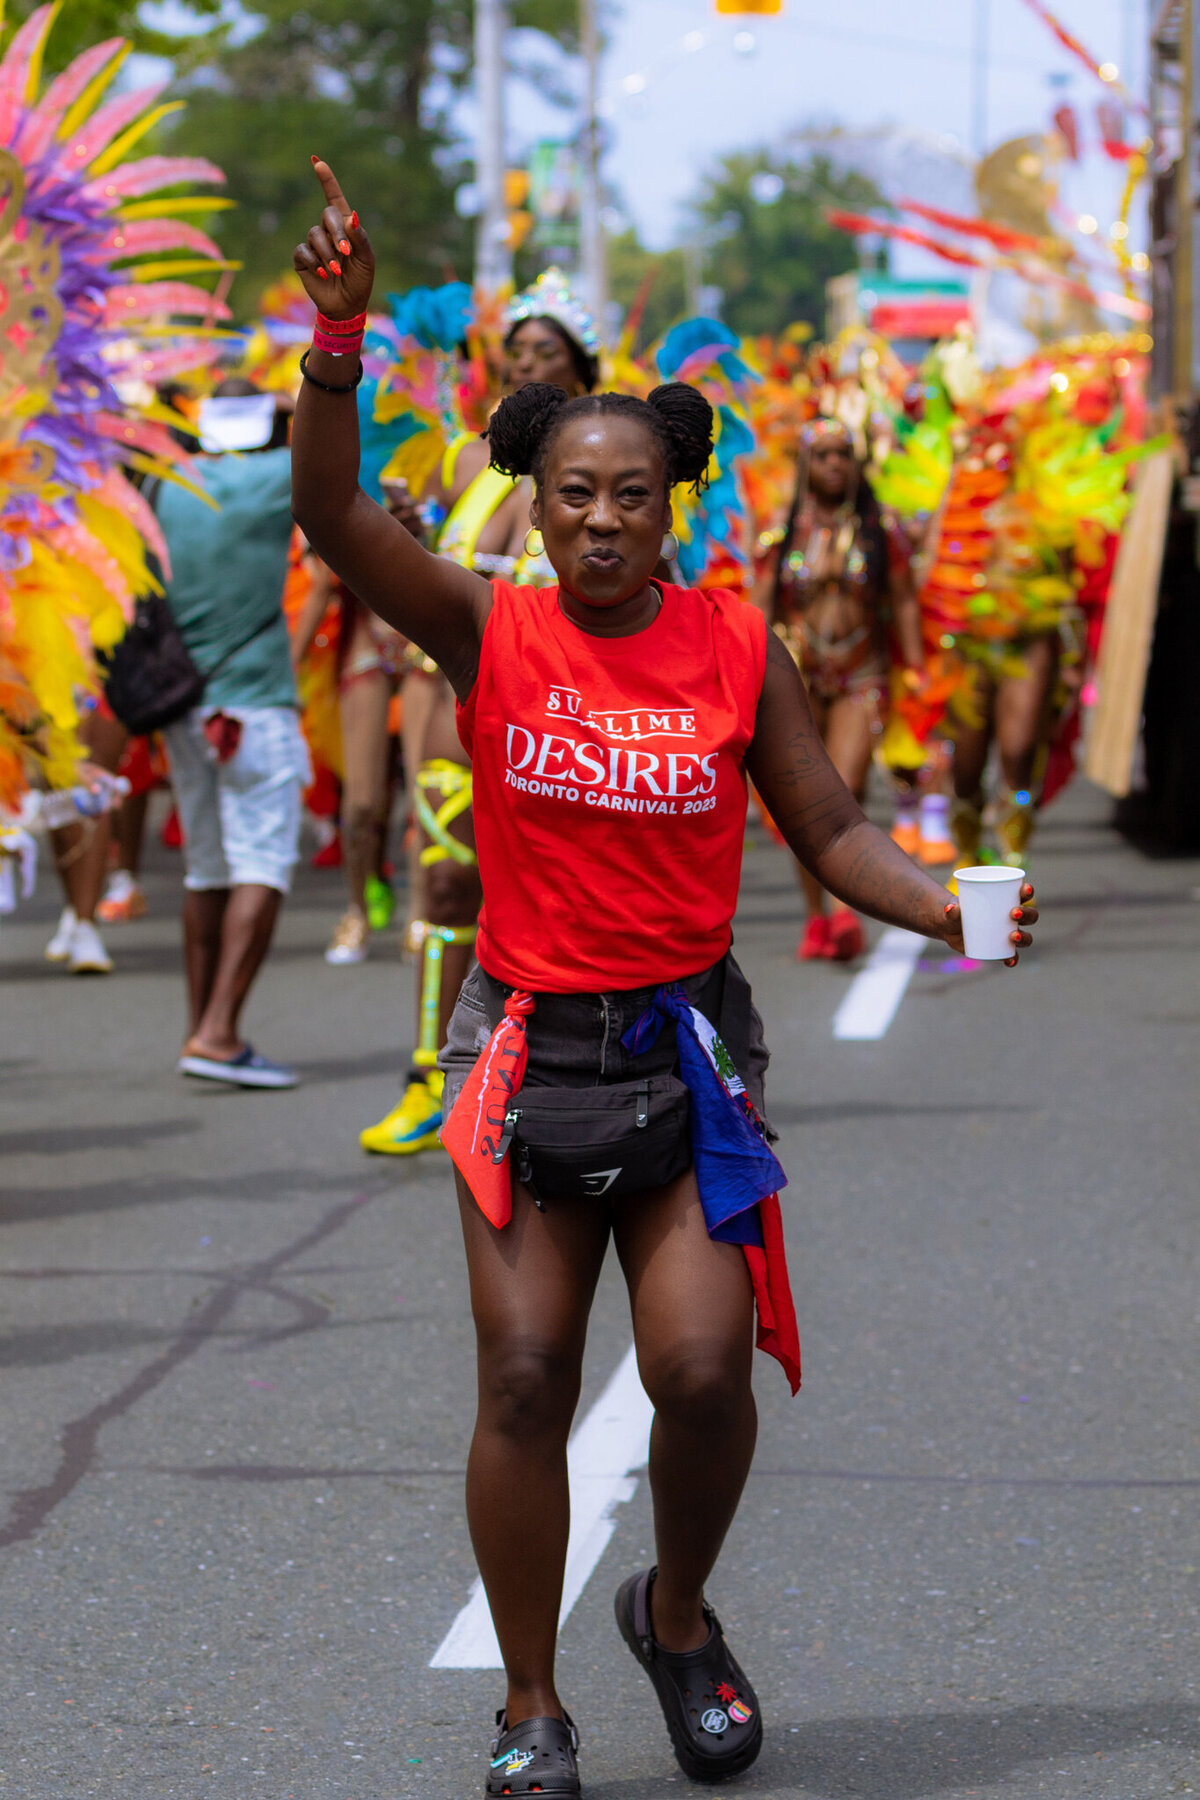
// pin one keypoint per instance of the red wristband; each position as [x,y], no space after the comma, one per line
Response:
[342,327]
[337,346]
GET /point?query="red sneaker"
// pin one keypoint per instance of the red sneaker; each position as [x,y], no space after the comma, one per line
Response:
[814,945]
[846,937]
[329,856]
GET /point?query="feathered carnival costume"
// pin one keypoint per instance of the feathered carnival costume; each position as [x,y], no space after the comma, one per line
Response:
[94,315]
[1021,476]
[435,370]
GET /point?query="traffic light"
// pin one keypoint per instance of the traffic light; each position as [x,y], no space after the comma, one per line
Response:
[520,219]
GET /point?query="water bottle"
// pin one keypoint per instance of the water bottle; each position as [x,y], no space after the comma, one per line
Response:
[66,806]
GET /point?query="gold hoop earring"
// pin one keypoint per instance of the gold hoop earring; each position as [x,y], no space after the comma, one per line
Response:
[534,544]
[671,555]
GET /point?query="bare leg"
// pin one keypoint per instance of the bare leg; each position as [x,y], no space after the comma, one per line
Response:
[972,742]
[693,1317]
[452,894]
[390,780]
[1023,712]
[203,913]
[130,828]
[845,725]
[814,893]
[971,745]
[363,704]
[81,851]
[418,696]
[531,1291]
[246,929]
[810,887]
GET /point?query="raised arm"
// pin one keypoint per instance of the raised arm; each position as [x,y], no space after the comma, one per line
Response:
[825,826]
[438,604]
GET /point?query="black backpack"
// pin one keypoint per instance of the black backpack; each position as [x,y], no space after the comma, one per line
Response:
[150,678]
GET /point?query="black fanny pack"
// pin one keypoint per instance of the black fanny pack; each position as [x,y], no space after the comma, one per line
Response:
[599,1142]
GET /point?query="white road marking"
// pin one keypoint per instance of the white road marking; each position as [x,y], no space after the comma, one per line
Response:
[605,1450]
[874,995]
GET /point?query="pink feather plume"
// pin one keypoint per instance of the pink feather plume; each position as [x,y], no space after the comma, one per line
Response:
[149,175]
[107,124]
[143,300]
[14,70]
[150,237]
[38,127]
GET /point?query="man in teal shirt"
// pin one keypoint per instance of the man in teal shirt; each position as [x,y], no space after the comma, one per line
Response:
[239,763]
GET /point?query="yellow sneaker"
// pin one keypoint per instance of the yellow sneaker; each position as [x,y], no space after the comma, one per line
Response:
[414,1124]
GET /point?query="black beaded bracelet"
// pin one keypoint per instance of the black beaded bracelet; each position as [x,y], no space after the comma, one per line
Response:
[326,387]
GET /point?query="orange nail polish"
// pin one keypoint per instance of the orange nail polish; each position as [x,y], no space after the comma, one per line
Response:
[316,159]
[344,246]
[322,274]
[335,266]
[354,221]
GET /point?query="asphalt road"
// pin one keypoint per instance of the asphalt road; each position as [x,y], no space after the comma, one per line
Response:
[237,1383]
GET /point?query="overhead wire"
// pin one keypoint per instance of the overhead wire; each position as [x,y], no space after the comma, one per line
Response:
[634,85]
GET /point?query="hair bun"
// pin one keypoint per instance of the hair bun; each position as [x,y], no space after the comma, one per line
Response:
[689,421]
[519,424]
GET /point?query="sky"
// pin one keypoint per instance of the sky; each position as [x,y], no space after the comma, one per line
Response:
[678,93]
[680,87]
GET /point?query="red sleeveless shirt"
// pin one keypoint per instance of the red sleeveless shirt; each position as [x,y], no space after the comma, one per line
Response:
[610,793]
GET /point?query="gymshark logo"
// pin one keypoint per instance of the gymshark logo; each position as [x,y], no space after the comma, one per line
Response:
[605,1177]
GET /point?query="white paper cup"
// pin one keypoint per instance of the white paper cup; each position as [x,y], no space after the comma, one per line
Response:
[987,896]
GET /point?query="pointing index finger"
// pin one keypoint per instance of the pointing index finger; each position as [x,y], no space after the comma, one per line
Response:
[330,186]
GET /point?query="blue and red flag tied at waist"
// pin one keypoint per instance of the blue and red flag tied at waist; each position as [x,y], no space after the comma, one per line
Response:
[737,1174]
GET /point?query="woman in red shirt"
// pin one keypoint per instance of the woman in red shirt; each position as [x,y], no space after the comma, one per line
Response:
[612,721]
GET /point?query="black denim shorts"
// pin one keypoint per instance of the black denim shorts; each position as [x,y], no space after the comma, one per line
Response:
[575,1039]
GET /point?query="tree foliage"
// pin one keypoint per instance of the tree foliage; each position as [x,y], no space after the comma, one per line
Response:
[771,258]
[87,22]
[659,279]
[370,87]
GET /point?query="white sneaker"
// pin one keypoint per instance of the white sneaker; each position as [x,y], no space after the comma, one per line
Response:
[88,955]
[59,947]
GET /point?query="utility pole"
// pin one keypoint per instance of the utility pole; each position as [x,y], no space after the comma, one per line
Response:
[593,260]
[493,256]
[1174,195]
[979,79]
[1187,252]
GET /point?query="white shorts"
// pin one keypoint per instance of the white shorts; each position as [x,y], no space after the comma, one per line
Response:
[241,818]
